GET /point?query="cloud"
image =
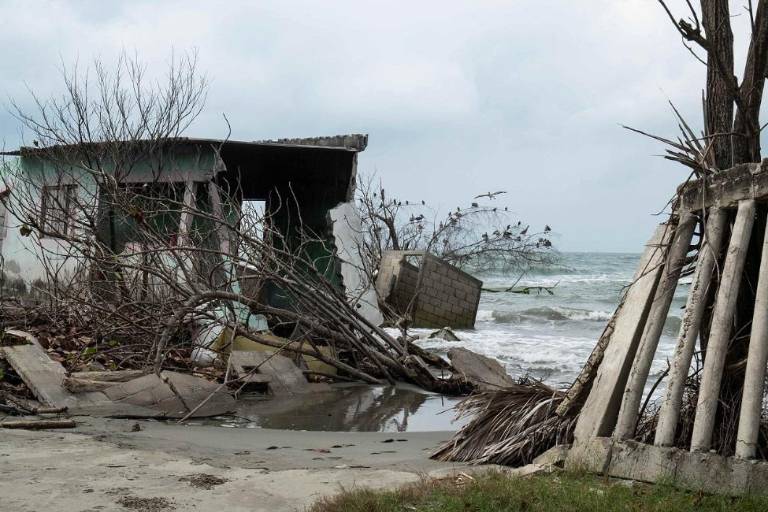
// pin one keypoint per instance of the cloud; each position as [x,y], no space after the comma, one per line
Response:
[458,97]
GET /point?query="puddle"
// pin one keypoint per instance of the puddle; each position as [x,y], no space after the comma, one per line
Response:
[349,408]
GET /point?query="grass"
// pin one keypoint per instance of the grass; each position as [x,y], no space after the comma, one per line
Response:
[561,492]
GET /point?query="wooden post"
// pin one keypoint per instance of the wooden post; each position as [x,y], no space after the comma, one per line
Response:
[689,328]
[722,321]
[754,379]
[665,291]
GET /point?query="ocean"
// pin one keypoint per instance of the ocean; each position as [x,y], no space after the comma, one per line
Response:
[549,337]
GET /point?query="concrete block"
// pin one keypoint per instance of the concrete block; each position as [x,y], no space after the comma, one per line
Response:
[708,472]
[590,455]
[644,462]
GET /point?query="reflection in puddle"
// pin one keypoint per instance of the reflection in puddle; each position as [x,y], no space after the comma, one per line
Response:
[349,408]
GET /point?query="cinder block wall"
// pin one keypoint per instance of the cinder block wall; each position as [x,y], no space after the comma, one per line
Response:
[448,297]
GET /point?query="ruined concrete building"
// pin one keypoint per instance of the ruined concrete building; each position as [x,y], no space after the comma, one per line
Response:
[315,175]
[718,447]
[431,292]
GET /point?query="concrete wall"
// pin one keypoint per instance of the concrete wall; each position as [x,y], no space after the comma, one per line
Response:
[447,296]
[26,256]
[347,231]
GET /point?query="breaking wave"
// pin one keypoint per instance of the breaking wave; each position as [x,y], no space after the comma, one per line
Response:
[543,313]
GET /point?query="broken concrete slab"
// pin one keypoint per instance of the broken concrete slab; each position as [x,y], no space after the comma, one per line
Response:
[42,375]
[555,456]
[444,334]
[173,395]
[485,373]
[110,375]
[284,376]
[528,470]
[242,365]
[148,396]
[241,343]
[75,385]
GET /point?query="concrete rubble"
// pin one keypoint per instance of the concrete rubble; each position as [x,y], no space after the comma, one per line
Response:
[483,372]
[124,394]
[444,334]
[428,291]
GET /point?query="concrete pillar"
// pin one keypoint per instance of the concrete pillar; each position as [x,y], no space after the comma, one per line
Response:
[754,379]
[601,408]
[689,327]
[633,393]
[720,333]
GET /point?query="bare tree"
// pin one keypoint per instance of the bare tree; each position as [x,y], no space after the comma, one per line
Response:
[483,233]
[147,260]
[731,108]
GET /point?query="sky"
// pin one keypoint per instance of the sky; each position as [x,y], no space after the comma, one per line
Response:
[458,98]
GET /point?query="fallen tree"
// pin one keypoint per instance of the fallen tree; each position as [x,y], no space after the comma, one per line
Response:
[141,274]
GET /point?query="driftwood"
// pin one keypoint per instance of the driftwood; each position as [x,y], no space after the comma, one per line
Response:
[38,424]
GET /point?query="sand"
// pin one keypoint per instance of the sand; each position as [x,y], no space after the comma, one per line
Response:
[106,465]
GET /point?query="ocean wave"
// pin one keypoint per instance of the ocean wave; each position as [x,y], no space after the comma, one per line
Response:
[543,313]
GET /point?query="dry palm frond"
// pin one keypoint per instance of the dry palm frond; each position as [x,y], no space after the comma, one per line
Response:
[510,426]
[691,151]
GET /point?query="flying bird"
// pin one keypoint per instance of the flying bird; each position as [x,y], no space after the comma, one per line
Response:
[491,195]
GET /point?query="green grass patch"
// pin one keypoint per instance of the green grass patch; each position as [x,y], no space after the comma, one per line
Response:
[558,492]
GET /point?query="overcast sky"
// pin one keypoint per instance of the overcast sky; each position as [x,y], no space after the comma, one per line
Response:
[459,98]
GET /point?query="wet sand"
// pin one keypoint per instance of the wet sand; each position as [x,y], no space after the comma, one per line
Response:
[106,461]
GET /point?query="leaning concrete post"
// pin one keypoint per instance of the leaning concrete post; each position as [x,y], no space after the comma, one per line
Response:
[633,394]
[720,333]
[689,328]
[597,417]
[754,379]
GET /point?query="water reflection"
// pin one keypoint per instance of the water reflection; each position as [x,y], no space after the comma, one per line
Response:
[355,408]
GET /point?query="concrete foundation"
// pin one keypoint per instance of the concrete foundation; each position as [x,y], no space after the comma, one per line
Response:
[696,471]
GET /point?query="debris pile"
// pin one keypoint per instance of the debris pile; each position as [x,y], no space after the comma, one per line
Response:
[170,292]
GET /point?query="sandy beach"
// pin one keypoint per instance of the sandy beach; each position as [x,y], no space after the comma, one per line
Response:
[105,465]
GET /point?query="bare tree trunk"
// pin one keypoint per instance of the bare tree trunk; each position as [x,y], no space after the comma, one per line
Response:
[720,80]
[746,128]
